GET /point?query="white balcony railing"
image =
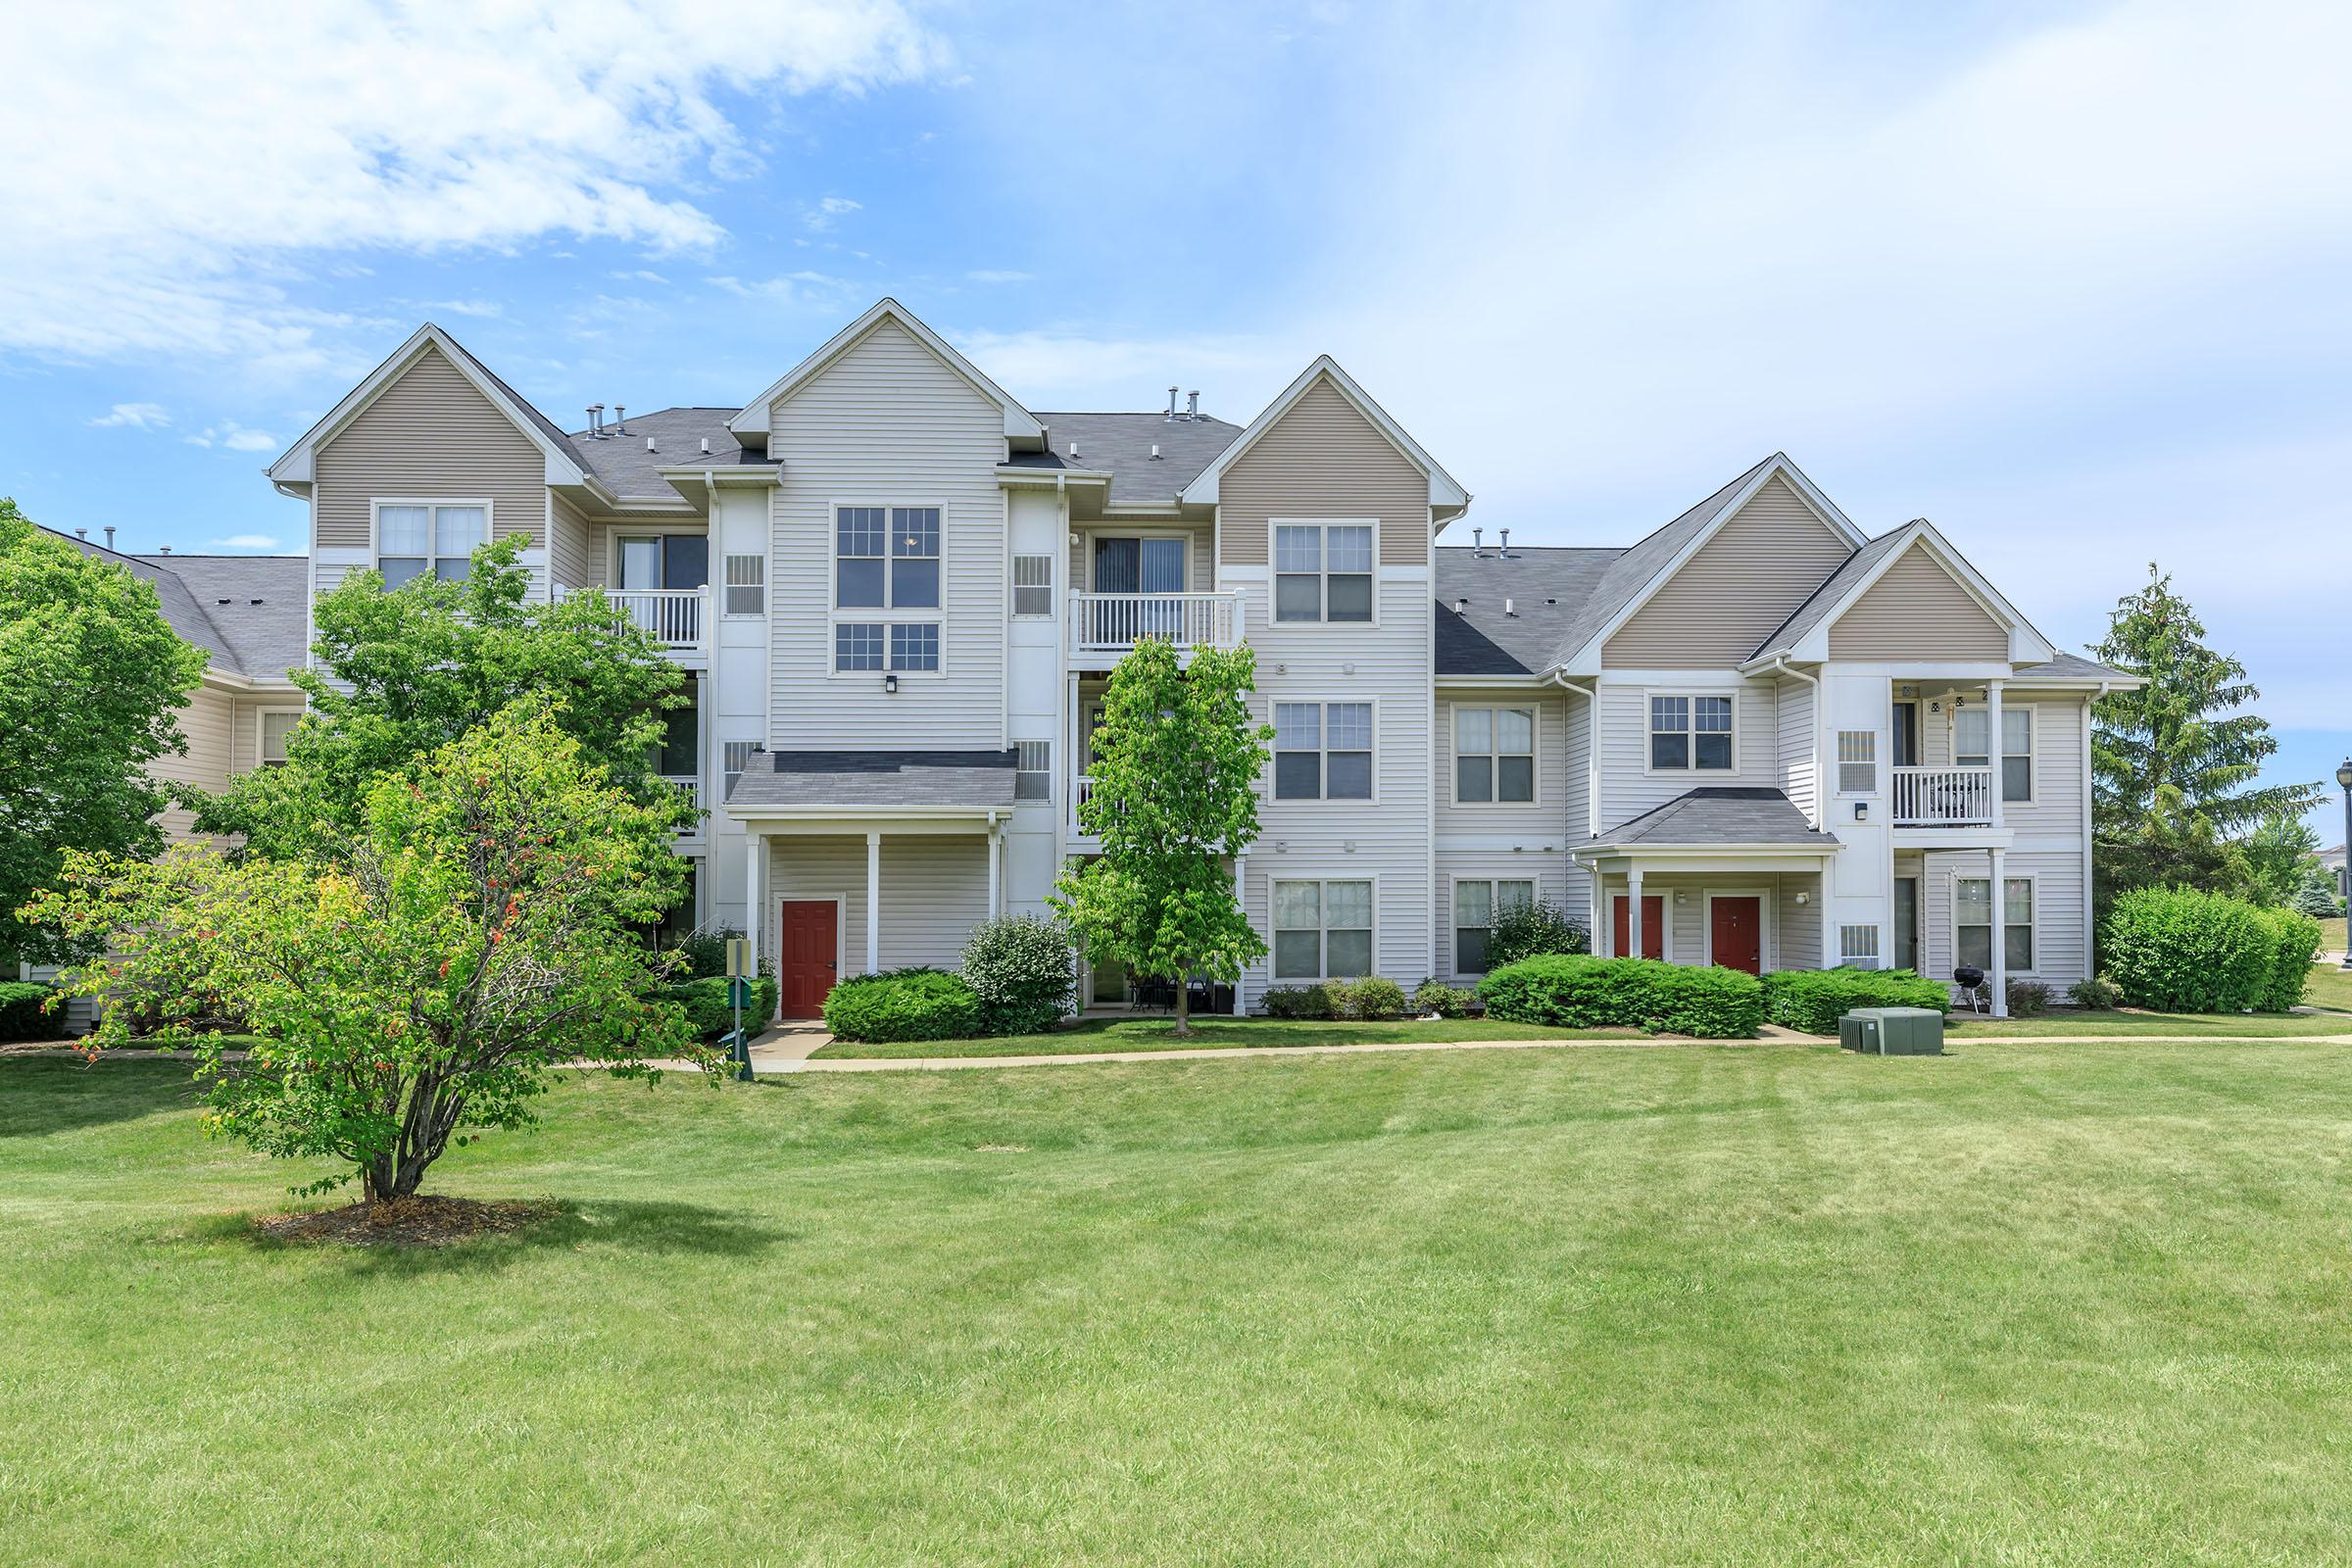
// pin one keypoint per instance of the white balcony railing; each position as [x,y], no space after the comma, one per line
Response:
[691,790]
[671,616]
[1942,796]
[1082,790]
[1115,623]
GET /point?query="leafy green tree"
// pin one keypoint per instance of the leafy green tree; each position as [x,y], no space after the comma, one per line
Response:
[92,679]
[398,674]
[2277,853]
[1176,762]
[2173,764]
[418,980]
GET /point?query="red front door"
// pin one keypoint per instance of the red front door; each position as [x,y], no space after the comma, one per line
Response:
[806,953]
[1737,926]
[1653,928]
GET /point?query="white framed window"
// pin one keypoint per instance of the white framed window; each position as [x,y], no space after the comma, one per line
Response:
[1858,946]
[273,727]
[1972,922]
[1972,732]
[746,586]
[1476,903]
[666,561]
[1322,930]
[1857,761]
[1494,756]
[1323,750]
[1692,733]
[735,760]
[1032,586]
[1323,571]
[886,559]
[1033,770]
[428,539]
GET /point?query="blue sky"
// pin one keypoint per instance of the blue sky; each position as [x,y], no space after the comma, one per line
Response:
[2068,280]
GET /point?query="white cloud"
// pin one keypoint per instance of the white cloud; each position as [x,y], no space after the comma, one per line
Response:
[995,275]
[1238,375]
[233,437]
[136,416]
[429,128]
[243,541]
[479,307]
[638,275]
[822,216]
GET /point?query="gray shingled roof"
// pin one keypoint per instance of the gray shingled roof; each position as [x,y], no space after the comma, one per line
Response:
[2071,666]
[631,472]
[1123,443]
[1722,815]
[1824,598]
[242,638]
[1546,587]
[976,779]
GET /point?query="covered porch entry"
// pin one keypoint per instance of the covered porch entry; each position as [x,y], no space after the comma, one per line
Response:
[1732,877]
[861,861]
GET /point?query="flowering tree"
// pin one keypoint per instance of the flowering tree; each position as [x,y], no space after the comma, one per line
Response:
[1174,800]
[419,977]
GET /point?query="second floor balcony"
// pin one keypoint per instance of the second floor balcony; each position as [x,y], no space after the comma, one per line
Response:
[1942,796]
[674,617]
[1108,624]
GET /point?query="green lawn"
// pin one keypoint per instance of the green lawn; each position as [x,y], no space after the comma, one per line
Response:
[2331,934]
[2071,1303]
[2129,1021]
[1156,1034]
[2329,987]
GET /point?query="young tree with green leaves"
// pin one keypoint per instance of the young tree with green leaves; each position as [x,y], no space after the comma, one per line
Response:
[92,679]
[419,979]
[2277,853]
[401,673]
[1175,766]
[2174,763]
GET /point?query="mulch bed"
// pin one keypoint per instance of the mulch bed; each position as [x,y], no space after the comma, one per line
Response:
[421,1222]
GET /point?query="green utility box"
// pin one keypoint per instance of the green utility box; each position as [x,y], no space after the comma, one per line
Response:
[1893,1031]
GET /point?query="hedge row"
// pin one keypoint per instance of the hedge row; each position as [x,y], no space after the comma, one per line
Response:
[20,1014]
[1583,993]
[2178,950]
[1814,999]
[1368,998]
[918,1004]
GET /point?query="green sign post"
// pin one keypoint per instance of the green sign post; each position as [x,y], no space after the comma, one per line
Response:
[739,997]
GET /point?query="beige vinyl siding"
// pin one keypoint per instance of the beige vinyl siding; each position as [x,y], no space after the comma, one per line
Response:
[1797,932]
[576,555]
[934,891]
[2058,763]
[1548,816]
[1736,591]
[429,434]
[1795,699]
[1628,789]
[1917,611]
[1547,871]
[888,422]
[208,721]
[1322,459]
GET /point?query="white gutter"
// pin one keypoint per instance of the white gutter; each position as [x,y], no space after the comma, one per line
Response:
[1821,786]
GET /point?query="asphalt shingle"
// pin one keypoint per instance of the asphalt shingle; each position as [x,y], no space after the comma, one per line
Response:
[976,779]
[1722,815]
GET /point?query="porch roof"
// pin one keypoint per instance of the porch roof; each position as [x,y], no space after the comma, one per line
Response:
[1720,817]
[926,781]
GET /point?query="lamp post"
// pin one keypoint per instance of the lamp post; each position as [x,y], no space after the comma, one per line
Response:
[2343,776]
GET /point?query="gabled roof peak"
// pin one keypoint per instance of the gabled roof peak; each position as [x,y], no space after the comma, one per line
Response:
[1019,423]
[1444,494]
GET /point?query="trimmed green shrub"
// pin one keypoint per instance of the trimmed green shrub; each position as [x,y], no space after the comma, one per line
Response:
[1446,1001]
[1370,997]
[1575,992]
[2178,949]
[1020,968]
[706,1004]
[20,1014]
[1812,1000]
[920,1003]
[1298,1002]
[704,953]
[1532,931]
[2098,994]
[2027,998]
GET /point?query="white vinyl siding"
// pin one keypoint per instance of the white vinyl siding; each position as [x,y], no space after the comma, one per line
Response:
[1629,786]
[934,891]
[429,434]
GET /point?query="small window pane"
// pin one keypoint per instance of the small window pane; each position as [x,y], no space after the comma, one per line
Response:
[461,530]
[1346,904]
[1297,598]
[861,531]
[2016,778]
[1297,550]
[1670,712]
[1714,751]
[860,583]
[1350,776]
[1970,727]
[1351,598]
[403,530]
[1473,730]
[1349,953]
[1515,730]
[2017,899]
[2017,730]
[914,584]
[915,531]
[1472,902]
[1297,955]
[1711,715]
[1297,775]
[914,647]
[1972,901]
[858,646]
[1350,727]
[1670,751]
[1515,778]
[397,571]
[2018,947]
[1976,947]
[1298,726]
[1297,905]
[1514,895]
[1470,949]
[1348,548]
[453,568]
[276,727]
[1474,779]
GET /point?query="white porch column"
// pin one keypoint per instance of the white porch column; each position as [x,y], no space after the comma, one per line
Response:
[873,901]
[1598,909]
[1632,914]
[755,908]
[2000,934]
[1829,957]
[1992,756]
[996,879]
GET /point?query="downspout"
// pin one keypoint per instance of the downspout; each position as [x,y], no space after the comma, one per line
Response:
[1782,666]
[2090,917]
[1592,696]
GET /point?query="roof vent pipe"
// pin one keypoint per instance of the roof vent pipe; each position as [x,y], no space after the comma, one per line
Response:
[163,550]
[110,536]
[706,444]
[1461,607]
[1193,406]
[81,533]
[596,421]
[1506,544]
[1155,452]
[620,419]
[1475,544]
[1073,449]
[649,443]
[1171,403]
[1510,610]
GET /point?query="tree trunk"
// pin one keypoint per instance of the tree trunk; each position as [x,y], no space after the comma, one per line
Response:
[1184,1007]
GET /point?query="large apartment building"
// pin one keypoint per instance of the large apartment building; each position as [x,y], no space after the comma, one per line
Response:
[1757,736]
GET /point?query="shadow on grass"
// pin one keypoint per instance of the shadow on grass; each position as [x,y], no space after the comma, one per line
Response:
[578,1225]
[44,1095]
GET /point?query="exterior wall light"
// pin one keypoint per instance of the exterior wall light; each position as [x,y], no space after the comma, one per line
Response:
[1861,811]
[890,684]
